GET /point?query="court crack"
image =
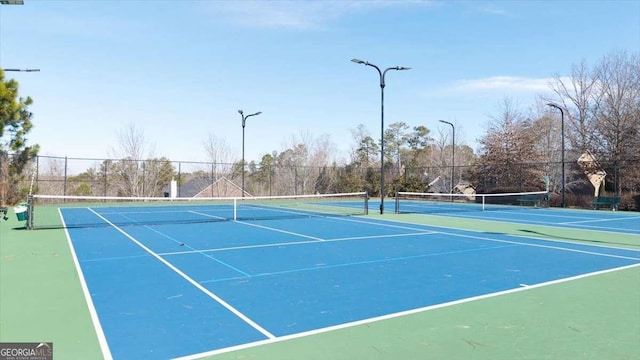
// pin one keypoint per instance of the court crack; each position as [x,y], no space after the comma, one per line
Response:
[474,344]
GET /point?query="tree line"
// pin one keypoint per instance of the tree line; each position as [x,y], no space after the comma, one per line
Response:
[521,149]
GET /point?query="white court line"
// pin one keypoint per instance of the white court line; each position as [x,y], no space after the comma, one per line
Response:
[265,227]
[422,231]
[532,222]
[615,230]
[242,247]
[102,339]
[124,215]
[191,281]
[200,252]
[362,221]
[537,245]
[382,236]
[456,235]
[554,240]
[386,260]
[396,315]
[544,246]
[288,243]
[599,220]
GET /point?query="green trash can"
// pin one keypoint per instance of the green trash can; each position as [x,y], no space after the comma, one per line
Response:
[21,211]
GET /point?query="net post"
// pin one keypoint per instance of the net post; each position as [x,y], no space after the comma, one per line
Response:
[29,224]
[366,203]
[235,209]
[397,207]
[483,201]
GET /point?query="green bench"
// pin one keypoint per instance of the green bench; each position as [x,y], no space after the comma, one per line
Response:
[534,199]
[609,201]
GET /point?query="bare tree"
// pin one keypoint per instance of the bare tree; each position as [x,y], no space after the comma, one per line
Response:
[618,120]
[132,144]
[220,167]
[299,165]
[396,141]
[441,160]
[508,152]
[580,96]
[136,172]
[218,152]
[51,172]
[364,148]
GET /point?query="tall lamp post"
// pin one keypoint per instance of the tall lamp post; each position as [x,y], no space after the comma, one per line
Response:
[453,151]
[382,75]
[23,70]
[244,122]
[562,156]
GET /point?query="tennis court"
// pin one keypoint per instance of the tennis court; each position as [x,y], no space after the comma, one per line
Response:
[608,221]
[184,281]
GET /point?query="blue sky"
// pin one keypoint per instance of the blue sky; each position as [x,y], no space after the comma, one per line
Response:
[180,70]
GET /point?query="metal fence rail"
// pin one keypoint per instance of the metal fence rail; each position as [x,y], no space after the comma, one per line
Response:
[128,177]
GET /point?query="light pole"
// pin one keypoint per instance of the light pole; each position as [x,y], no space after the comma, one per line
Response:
[453,151]
[23,70]
[562,156]
[382,75]
[244,122]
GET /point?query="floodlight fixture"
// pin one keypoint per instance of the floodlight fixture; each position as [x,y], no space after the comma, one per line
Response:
[553,105]
[453,151]
[382,85]
[244,121]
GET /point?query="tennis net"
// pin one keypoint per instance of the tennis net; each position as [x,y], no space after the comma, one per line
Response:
[50,211]
[413,202]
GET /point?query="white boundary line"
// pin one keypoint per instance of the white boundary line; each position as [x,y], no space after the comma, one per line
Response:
[616,231]
[102,340]
[577,242]
[398,314]
[423,231]
[590,220]
[191,281]
[265,227]
[292,243]
[187,246]
[272,338]
[544,246]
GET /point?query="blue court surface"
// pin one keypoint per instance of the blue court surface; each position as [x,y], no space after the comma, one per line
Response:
[170,290]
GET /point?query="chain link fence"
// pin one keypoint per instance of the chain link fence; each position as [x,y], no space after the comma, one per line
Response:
[152,178]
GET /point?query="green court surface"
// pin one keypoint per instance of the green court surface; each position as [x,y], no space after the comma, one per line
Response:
[593,317]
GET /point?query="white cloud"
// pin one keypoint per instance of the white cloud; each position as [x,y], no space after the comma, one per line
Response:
[497,85]
[491,10]
[504,84]
[298,14]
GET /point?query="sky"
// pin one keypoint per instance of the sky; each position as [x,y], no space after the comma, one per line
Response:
[180,70]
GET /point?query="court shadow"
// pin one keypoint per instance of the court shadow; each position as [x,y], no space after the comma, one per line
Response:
[538,233]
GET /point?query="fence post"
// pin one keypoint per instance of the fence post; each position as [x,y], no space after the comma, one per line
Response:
[144,176]
[179,177]
[64,191]
[37,172]
[270,170]
[106,175]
